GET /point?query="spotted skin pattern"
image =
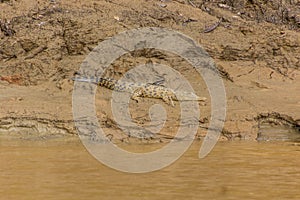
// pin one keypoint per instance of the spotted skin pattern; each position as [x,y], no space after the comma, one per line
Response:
[147,90]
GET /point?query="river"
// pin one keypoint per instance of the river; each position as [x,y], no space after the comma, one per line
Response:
[233,170]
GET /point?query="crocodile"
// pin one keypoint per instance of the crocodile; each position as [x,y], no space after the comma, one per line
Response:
[138,90]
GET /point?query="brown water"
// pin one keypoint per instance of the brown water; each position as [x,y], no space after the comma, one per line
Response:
[233,170]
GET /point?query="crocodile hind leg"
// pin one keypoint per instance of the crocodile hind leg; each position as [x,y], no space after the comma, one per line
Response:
[168,99]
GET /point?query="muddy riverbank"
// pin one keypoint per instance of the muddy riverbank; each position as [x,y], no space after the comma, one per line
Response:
[255,46]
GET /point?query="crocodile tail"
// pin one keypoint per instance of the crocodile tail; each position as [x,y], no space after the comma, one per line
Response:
[87,80]
[189,96]
[201,98]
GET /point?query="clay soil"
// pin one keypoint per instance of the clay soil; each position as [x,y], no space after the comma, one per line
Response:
[256,48]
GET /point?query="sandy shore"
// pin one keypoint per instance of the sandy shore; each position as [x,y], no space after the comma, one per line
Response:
[43,45]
